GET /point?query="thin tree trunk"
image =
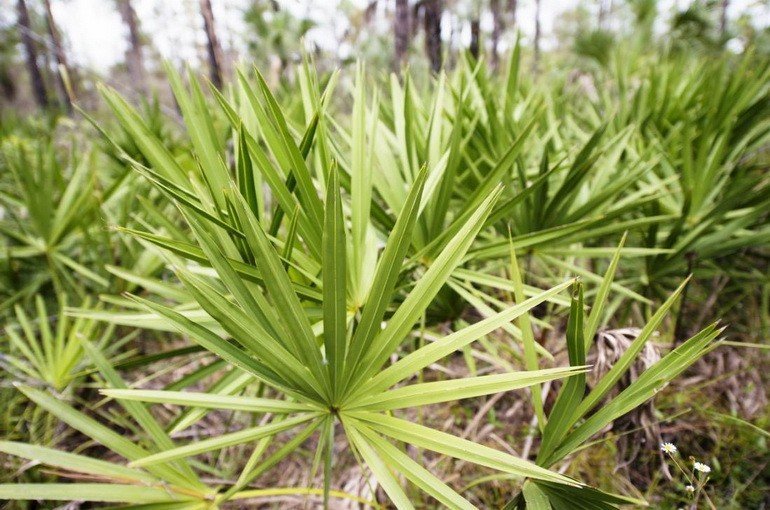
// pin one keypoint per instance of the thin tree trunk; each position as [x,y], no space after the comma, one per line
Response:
[536,61]
[401,31]
[62,66]
[36,78]
[432,22]
[216,59]
[498,25]
[602,13]
[512,6]
[723,18]
[475,29]
[134,56]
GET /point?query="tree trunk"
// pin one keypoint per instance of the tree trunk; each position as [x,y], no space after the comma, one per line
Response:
[134,56]
[432,23]
[62,67]
[602,14]
[500,18]
[498,25]
[723,18]
[536,61]
[216,59]
[401,31]
[25,32]
[475,29]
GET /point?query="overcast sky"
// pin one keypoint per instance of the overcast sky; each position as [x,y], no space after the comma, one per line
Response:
[96,36]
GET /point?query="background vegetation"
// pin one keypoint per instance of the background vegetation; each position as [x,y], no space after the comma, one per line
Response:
[451,264]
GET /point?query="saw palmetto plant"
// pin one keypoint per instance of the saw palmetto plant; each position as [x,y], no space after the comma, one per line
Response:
[303,340]
[708,122]
[46,348]
[52,233]
[333,275]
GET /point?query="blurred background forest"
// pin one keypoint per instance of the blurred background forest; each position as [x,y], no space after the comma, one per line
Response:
[124,42]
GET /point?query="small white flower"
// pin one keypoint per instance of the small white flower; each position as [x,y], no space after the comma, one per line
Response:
[668,448]
[690,488]
[703,468]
